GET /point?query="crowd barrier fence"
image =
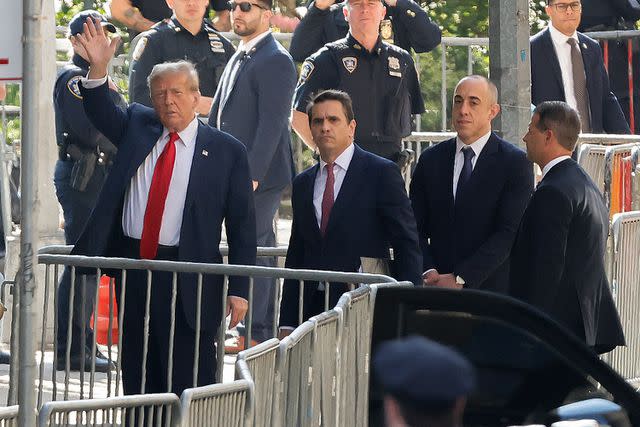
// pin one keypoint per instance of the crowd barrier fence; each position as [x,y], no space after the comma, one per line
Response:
[625,283]
[261,362]
[9,416]
[229,404]
[53,385]
[137,410]
[611,168]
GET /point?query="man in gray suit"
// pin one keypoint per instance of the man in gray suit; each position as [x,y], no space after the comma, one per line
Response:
[252,103]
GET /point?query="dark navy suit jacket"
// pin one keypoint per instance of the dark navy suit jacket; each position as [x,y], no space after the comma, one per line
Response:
[257,111]
[471,237]
[219,189]
[547,85]
[557,261]
[371,214]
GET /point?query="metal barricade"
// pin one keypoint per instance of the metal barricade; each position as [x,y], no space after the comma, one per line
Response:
[140,410]
[9,416]
[417,142]
[261,364]
[220,405]
[66,384]
[625,283]
[325,363]
[604,166]
[355,343]
[294,398]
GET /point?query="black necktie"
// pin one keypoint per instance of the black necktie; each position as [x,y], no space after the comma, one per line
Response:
[467,168]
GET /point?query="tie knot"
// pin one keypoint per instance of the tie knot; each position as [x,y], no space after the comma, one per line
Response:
[173,137]
[468,153]
[572,41]
[330,168]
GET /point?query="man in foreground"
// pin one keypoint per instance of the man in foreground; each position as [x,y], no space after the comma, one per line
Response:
[557,261]
[173,183]
[350,207]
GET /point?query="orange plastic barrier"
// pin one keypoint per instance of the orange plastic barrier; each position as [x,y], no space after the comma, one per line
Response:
[102,329]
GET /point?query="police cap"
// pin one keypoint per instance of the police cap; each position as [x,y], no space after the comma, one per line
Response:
[423,373]
[75,25]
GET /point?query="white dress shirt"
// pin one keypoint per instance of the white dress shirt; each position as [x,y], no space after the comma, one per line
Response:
[135,201]
[551,164]
[340,167]
[563,52]
[458,159]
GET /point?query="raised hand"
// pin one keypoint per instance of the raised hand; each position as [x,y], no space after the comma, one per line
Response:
[98,47]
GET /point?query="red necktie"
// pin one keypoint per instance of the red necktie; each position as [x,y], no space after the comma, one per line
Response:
[157,197]
[327,199]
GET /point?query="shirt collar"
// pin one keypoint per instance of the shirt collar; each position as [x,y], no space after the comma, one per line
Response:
[248,46]
[552,163]
[187,135]
[560,38]
[476,146]
[343,160]
[353,43]
[178,27]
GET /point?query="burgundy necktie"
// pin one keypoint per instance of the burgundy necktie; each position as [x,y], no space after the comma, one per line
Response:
[327,199]
[157,197]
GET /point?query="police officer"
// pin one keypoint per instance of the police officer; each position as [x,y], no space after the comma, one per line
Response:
[406,25]
[84,158]
[613,15]
[187,35]
[380,78]
[424,383]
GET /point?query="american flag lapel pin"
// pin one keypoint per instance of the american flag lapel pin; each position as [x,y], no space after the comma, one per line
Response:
[205,153]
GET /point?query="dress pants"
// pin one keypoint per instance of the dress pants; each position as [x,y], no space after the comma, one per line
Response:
[76,207]
[267,202]
[156,374]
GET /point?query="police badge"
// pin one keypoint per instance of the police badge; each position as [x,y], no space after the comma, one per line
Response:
[73,86]
[386,31]
[350,63]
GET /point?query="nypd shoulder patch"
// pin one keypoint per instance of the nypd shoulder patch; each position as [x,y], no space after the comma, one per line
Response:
[74,86]
[306,71]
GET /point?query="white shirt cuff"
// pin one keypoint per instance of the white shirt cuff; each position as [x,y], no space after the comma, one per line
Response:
[93,83]
[427,272]
[287,328]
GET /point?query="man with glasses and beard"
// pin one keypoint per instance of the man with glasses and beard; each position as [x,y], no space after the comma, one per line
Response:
[252,103]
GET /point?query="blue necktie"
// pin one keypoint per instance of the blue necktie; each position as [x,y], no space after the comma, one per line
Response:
[467,168]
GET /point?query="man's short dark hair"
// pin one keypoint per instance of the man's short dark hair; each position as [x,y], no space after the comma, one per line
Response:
[562,119]
[332,95]
[267,3]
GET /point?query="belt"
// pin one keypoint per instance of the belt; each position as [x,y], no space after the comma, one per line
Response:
[132,250]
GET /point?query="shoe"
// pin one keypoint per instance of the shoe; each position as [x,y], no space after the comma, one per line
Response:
[102,363]
[5,358]
[236,345]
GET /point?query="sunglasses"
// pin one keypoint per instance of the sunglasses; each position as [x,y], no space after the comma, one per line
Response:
[245,6]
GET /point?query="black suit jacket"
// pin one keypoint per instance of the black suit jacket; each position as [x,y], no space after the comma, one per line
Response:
[558,258]
[472,237]
[547,85]
[219,189]
[371,214]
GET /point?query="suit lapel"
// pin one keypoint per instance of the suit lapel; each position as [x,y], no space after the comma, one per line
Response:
[553,59]
[447,165]
[484,167]
[350,185]
[197,165]
[308,211]
[144,147]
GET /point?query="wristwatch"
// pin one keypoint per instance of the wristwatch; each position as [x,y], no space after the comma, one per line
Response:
[460,281]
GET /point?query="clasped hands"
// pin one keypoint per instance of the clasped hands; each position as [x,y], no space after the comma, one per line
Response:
[433,278]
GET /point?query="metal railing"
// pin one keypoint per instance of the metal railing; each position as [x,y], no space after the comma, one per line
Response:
[224,403]
[53,386]
[625,284]
[607,167]
[140,410]
[9,416]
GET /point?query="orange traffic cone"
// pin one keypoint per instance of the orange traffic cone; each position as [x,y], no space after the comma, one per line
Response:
[102,330]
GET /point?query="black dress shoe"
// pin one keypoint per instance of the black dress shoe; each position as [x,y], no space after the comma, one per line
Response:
[5,358]
[102,363]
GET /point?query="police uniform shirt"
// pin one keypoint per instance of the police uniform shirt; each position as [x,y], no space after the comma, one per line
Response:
[170,41]
[72,124]
[383,85]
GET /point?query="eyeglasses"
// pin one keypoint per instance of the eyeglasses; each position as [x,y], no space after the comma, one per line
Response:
[245,6]
[563,7]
